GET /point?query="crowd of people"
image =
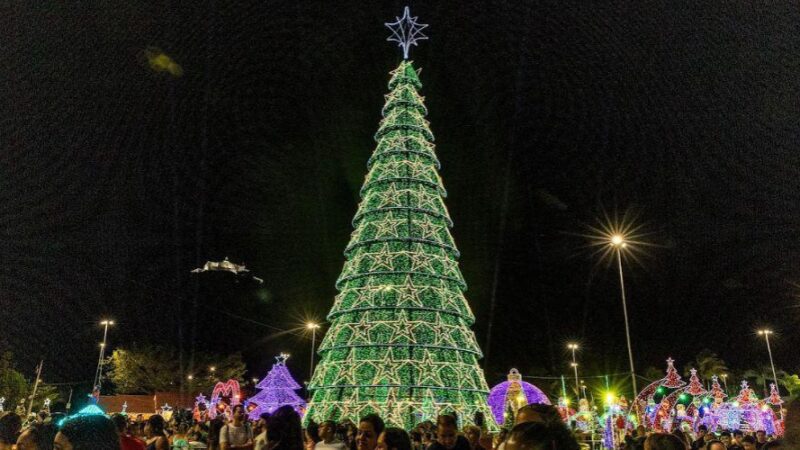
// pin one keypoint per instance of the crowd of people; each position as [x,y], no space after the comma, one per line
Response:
[536,427]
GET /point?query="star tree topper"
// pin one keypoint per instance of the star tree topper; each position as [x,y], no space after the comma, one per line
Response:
[406,31]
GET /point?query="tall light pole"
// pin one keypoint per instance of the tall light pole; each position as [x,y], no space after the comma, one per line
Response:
[313,327]
[101,360]
[574,365]
[617,241]
[765,332]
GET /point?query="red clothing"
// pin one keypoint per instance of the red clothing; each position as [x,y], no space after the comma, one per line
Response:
[128,442]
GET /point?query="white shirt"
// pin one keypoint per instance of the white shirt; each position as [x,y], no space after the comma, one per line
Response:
[233,435]
[261,441]
[334,445]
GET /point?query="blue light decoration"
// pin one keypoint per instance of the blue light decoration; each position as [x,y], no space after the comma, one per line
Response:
[406,31]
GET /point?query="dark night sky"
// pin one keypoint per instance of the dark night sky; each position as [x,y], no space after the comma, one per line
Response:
[116,180]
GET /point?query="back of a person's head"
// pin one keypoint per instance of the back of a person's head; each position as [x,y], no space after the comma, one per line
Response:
[284,428]
[91,433]
[663,441]
[376,421]
[157,424]
[397,439]
[120,421]
[538,412]
[10,425]
[541,436]
[750,439]
[447,420]
[42,435]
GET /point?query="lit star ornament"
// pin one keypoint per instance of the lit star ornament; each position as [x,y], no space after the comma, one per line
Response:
[406,31]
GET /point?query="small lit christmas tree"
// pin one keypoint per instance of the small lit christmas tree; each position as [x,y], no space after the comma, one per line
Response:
[774,395]
[277,389]
[673,379]
[716,390]
[695,386]
[746,395]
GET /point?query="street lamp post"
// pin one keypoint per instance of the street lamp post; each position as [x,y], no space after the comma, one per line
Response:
[574,365]
[313,327]
[618,242]
[101,360]
[766,333]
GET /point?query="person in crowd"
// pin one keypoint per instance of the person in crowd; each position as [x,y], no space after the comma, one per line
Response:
[214,428]
[198,434]
[736,440]
[87,433]
[541,436]
[369,428]
[447,437]
[260,441]
[284,431]
[761,439]
[394,439]
[663,441]
[327,434]
[237,434]
[10,425]
[778,443]
[311,435]
[38,436]
[636,441]
[537,412]
[749,442]
[416,439]
[715,444]
[687,441]
[473,435]
[699,442]
[180,438]
[154,433]
[726,438]
[126,441]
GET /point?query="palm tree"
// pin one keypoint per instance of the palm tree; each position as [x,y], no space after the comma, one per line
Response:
[707,364]
[761,378]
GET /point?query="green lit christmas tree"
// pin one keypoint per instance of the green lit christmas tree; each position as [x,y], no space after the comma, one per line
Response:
[400,343]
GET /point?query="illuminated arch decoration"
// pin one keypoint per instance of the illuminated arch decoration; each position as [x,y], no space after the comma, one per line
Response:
[512,395]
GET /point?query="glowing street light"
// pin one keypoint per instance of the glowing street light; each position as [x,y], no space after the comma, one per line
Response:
[105,323]
[190,377]
[313,327]
[618,242]
[766,332]
[573,347]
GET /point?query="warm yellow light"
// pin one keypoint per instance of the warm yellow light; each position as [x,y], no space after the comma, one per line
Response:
[189,377]
[573,364]
[212,369]
[107,322]
[312,325]
[764,332]
[572,346]
[610,397]
[618,240]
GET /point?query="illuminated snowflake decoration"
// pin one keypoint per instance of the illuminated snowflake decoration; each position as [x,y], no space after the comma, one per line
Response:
[406,31]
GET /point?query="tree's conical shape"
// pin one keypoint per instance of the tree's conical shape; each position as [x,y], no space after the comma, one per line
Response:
[400,343]
[277,389]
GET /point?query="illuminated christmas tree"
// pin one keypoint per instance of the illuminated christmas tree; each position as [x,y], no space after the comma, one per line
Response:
[716,390]
[673,378]
[774,395]
[746,395]
[277,389]
[695,386]
[400,343]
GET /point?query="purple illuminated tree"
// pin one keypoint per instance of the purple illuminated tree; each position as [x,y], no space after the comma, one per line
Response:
[277,389]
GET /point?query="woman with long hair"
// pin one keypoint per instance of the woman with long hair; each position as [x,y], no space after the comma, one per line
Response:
[285,431]
[156,438]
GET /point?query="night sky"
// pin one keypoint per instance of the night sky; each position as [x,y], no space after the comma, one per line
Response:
[117,178]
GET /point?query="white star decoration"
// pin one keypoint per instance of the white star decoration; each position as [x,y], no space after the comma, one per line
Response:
[406,31]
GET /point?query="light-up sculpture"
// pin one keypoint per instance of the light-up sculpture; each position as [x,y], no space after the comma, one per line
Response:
[513,394]
[399,342]
[277,389]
